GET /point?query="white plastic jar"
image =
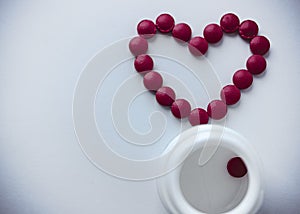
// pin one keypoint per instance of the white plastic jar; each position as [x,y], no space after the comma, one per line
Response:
[231,195]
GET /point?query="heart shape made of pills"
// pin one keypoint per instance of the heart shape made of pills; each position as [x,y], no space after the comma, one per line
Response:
[198,46]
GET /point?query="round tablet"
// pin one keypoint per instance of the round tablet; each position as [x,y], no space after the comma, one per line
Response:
[143,63]
[242,79]
[256,64]
[181,108]
[230,23]
[236,167]
[182,32]
[153,81]
[213,33]
[230,94]
[165,23]
[138,45]
[259,45]
[248,29]
[198,116]
[146,28]
[217,109]
[198,46]
[165,96]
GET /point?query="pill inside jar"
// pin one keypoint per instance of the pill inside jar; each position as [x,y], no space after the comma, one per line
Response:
[210,188]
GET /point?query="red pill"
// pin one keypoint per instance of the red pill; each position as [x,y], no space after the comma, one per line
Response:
[143,63]
[181,108]
[138,45]
[146,28]
[259,45]
[165,23]
[165,96]
[182,32]
[229,23]
[217,109]
[153,81]
[248,29]
[213,33]
[236,167]
[230,94]
[198,46]
[256,64]
[242,79]
[198,116]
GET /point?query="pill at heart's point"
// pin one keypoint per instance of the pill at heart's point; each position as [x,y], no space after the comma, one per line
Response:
[198,116]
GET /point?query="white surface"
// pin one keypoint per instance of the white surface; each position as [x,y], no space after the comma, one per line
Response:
[45,44]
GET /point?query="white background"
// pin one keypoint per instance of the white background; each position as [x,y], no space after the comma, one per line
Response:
[44,46]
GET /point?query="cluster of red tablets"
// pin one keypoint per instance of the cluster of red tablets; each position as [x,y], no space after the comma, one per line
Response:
[198,46]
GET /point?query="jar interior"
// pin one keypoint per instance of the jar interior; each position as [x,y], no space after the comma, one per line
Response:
[209,188]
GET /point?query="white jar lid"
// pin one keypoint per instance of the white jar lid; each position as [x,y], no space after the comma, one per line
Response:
[218,138]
